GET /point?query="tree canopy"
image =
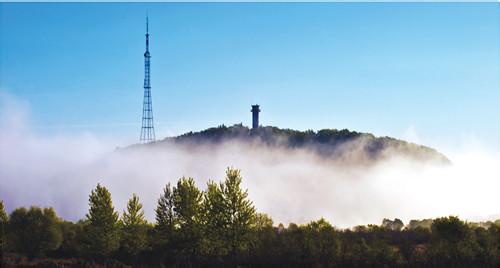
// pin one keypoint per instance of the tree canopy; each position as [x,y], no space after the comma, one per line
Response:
[102,228]
[219,227]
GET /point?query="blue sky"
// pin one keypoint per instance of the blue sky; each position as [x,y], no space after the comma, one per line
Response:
[373,67]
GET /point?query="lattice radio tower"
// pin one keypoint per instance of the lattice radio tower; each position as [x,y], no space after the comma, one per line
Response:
[147,130]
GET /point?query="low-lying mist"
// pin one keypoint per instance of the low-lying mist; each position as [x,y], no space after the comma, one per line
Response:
[289,185]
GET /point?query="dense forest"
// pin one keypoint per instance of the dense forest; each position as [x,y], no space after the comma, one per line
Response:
[220,227]
[340,145]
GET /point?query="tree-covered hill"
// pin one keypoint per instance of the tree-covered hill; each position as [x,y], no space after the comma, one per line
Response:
[340,145]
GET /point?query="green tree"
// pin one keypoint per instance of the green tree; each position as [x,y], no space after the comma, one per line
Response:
[34,232]
[163,240]
[395,225]
[134,215]
[165,214]
[450,229]
[4,219]
[73,238]
[228,217]
[292,246]
[215,220]
[452,243]
[240,212]
[321,243]
[264,248]
[134,228]
[102,229]
[262,221]
[494,244]
[188,213]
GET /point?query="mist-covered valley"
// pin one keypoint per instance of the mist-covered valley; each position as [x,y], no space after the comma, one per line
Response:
[289,184]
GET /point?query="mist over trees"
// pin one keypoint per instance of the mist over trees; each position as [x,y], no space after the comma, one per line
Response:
[220,227]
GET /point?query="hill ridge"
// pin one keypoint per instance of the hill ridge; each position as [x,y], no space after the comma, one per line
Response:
[336,144]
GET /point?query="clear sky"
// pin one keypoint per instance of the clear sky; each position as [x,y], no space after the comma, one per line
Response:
[385,68]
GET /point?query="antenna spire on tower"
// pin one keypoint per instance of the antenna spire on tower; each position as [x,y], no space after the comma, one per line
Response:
[147,33]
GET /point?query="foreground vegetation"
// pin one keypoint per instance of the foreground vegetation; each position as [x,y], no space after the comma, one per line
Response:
[219,227]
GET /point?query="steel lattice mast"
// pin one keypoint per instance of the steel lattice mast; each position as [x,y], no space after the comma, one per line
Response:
[147,130]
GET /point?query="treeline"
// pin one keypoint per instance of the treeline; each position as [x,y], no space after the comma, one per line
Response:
[328,143]
[219,227]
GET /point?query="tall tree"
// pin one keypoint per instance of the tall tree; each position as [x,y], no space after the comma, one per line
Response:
[134,229]
[102,229]
[3,214]
[452,243]
[34,231]
[164,232]
[215,221]
[165,218]
[265,248]
[4,219]
[321,242]
[240,212]
[187,213]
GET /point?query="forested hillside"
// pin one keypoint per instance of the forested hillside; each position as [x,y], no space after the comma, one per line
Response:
[338,145]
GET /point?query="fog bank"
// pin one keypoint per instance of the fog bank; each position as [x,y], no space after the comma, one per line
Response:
[289,185]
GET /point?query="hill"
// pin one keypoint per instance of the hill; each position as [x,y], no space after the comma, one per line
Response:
[339,145]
